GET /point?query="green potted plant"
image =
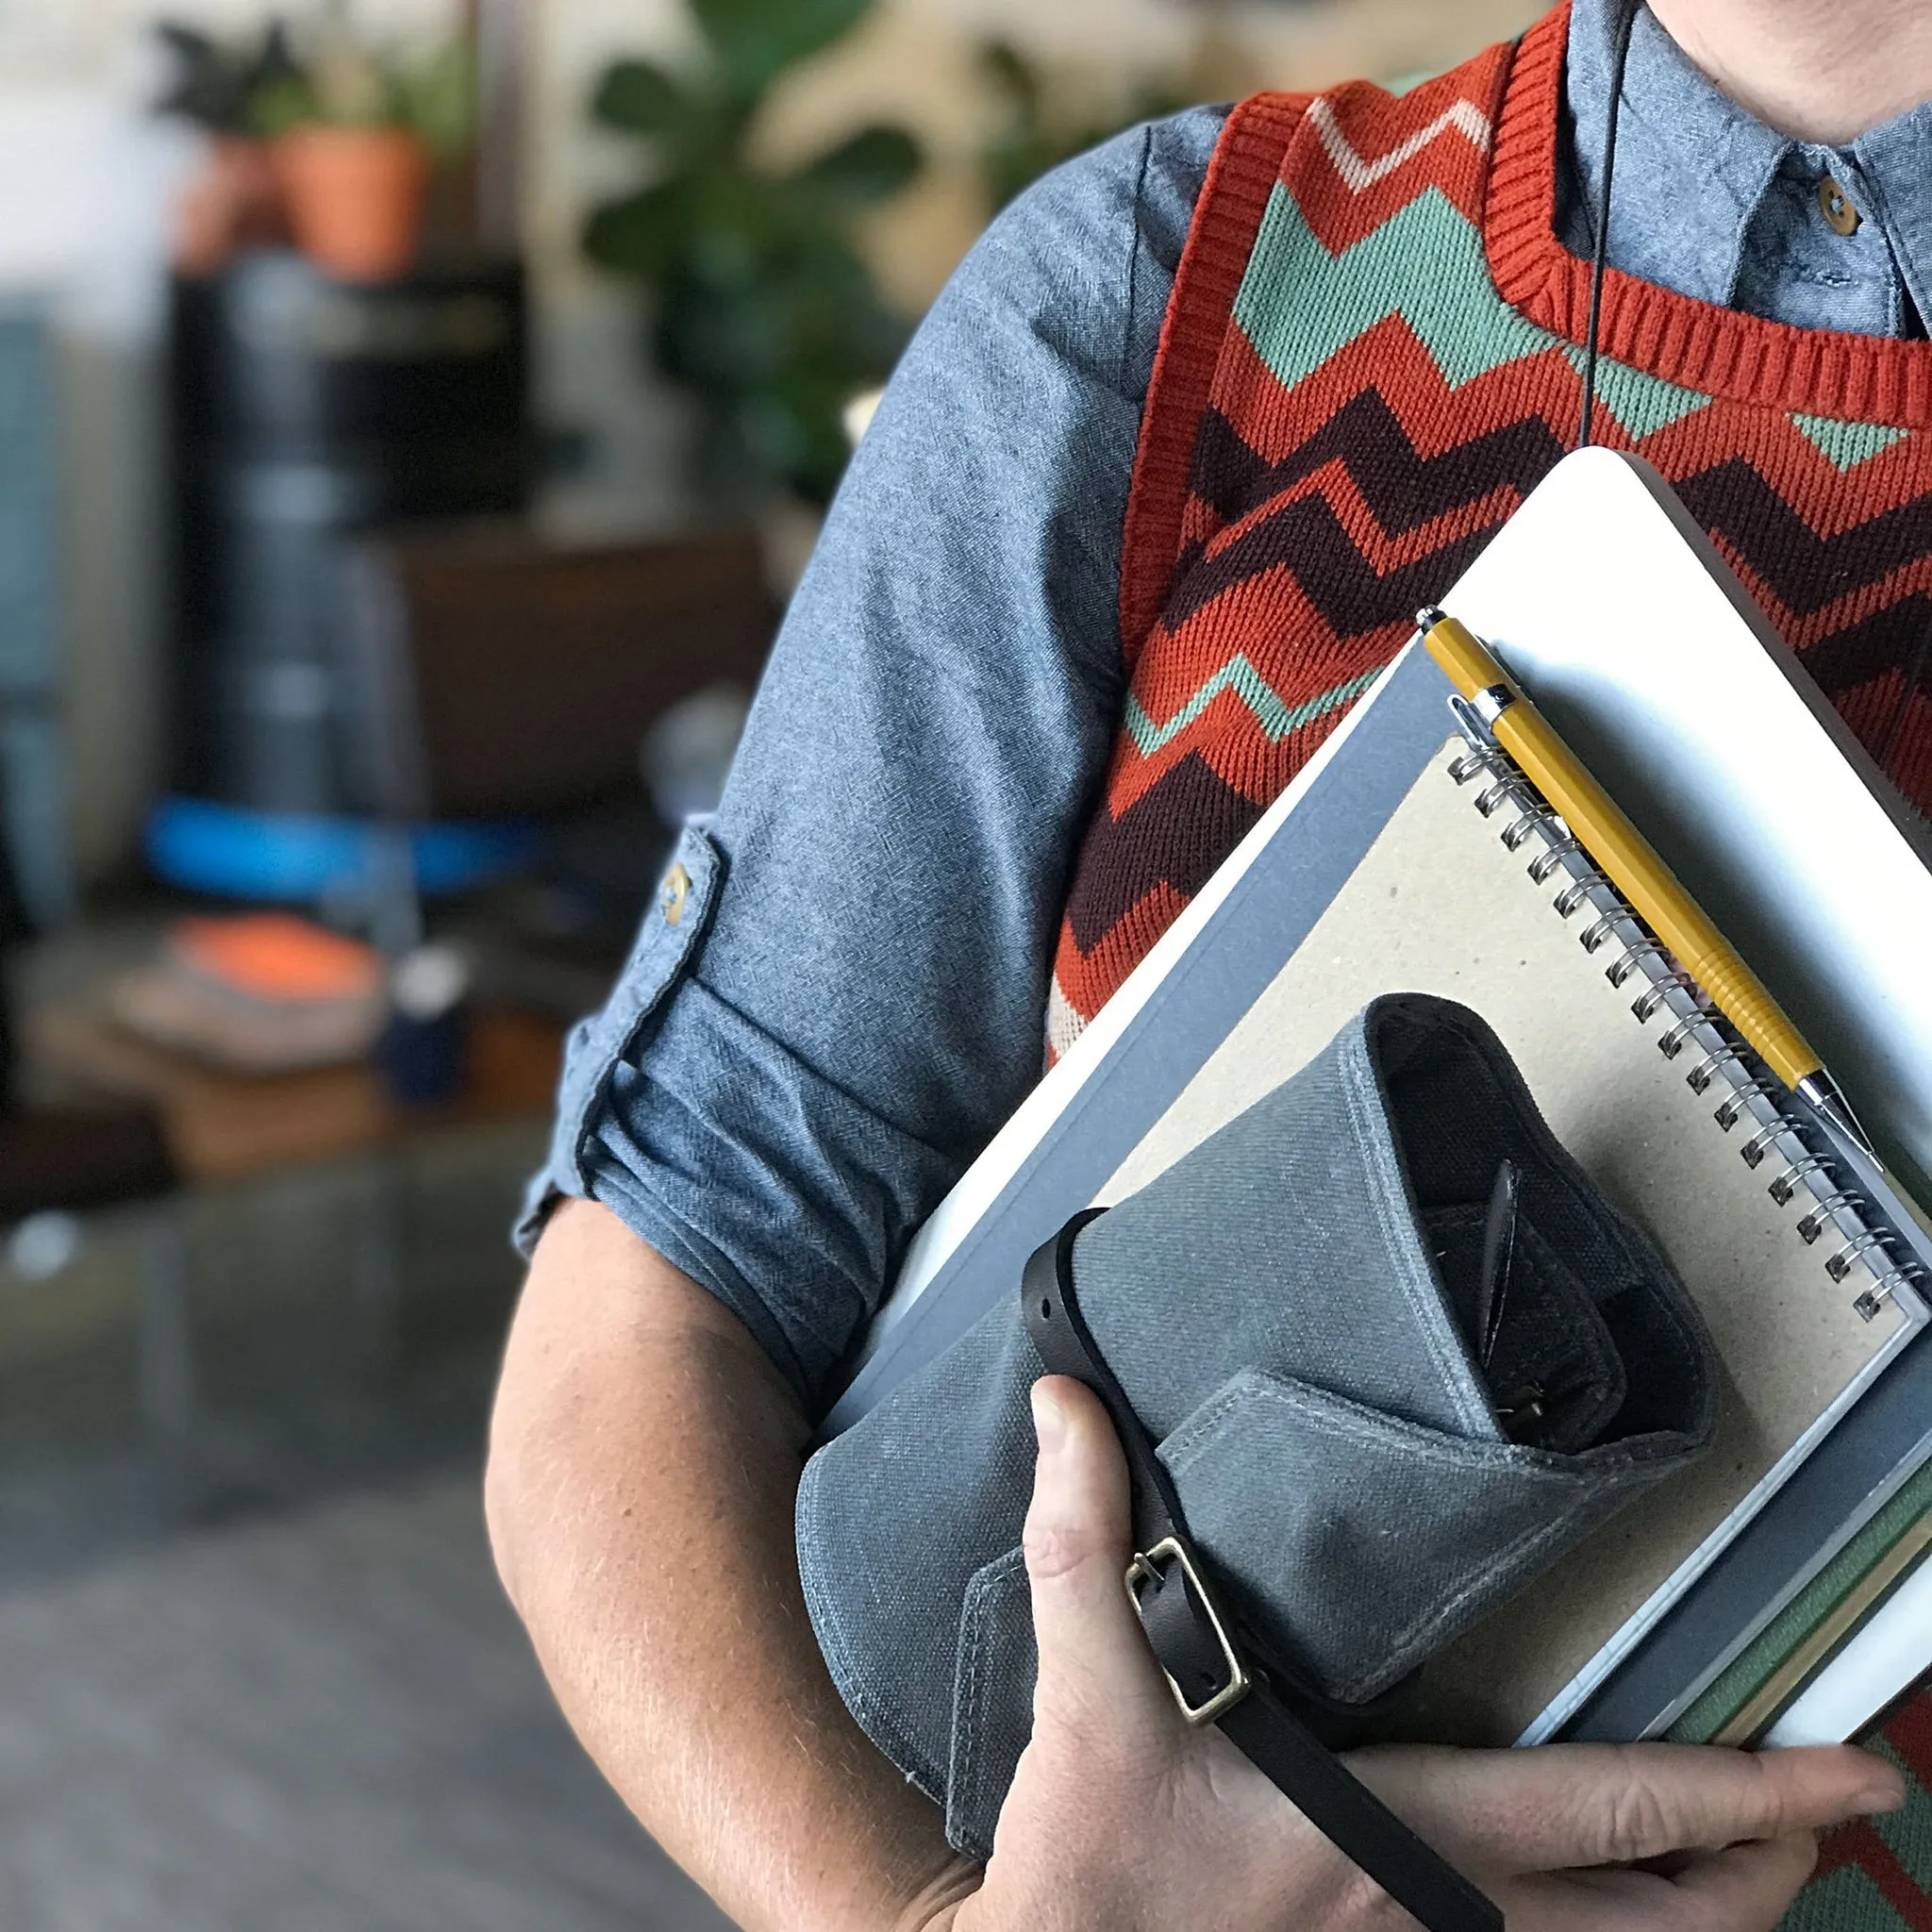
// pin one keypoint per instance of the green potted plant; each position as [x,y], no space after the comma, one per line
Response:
[763,309]
[359,131]
[235,200]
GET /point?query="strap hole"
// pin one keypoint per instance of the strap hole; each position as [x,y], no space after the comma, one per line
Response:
[1046,1311]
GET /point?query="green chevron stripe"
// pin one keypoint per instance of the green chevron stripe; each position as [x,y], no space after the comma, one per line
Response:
[1909,1833]
[1848,1897]
[1642,404]
[1845,445]
[1276,718]
[1300,306]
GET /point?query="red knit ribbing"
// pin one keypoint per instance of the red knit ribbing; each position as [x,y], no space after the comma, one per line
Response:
[1246,167]
[1717,352]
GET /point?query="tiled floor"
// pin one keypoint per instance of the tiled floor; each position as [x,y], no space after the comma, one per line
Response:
[266,1682]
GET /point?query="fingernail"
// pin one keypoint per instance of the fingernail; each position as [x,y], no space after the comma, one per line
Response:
[1049,1419]
[1887,1794]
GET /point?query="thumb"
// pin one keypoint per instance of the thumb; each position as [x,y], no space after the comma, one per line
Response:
[1095,1662]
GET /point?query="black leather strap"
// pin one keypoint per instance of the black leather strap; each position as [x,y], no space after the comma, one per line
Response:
[1201,1649]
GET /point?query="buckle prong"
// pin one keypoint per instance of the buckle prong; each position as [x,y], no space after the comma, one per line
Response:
[1150,1567]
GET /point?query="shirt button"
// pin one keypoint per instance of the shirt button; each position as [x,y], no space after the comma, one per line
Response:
[1835,206]
[673,895]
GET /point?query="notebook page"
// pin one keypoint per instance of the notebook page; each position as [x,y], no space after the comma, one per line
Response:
[1440,906]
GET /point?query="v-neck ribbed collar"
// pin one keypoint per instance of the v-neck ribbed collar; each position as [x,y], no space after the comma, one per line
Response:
[1679,337]
[1713,203]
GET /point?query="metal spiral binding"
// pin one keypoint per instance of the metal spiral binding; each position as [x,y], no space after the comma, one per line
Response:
[1546,866]
[1753,1096]
[1618,972]
[1519,835]
[1700,1076]
[1577,892]
[1734,1109]
[1815,1223]
[1657,995]
[1503,792]
[1784,1189]
[1672,1043]
[1600,935]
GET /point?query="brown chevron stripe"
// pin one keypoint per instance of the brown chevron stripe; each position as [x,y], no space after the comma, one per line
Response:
[1878,644]
[1891,746]
[1405,489]
[1307,538]
[1174,834]
[1805,571]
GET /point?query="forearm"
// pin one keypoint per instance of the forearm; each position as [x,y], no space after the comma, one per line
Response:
[644,1457]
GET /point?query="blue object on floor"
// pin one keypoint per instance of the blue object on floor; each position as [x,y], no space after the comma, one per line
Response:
[232,852]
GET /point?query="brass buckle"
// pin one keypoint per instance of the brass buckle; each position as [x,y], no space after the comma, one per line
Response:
[1147,1568]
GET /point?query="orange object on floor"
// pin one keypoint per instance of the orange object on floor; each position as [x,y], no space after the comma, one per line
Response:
[263,993]
[274,956]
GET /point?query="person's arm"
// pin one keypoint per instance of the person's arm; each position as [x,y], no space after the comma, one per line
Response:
[792,1073]
[644,1461]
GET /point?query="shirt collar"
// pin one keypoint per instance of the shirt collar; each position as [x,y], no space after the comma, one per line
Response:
[1694,168]
[1896,165]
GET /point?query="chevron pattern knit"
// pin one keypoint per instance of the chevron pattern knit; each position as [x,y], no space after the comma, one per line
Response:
[1371,355]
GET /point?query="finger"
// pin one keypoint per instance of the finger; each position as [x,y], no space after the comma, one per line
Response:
[1567,1806]
[1745,1888]
[1093,1657]
[1748,1887]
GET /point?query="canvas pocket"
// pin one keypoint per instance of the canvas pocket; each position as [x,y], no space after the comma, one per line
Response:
[1356,1543]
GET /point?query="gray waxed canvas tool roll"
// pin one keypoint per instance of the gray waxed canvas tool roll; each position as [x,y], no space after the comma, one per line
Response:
[1399,1352]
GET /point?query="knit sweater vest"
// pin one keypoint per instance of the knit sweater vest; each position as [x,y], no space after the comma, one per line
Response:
[1371,355]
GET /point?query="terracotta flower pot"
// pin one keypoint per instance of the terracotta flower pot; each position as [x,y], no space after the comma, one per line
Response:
[355,198]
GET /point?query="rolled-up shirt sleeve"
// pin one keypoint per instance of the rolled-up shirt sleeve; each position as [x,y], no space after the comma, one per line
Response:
[838,996]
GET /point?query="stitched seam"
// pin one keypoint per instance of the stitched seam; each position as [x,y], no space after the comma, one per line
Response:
[1339,1420]
[964,1795]
[1421,1636]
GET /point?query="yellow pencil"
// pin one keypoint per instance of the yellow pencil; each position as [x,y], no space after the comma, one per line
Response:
[1627,860]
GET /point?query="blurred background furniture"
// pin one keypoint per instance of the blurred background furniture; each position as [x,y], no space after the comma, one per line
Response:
[299,607]
[307,411]
[34,775]
[502,672]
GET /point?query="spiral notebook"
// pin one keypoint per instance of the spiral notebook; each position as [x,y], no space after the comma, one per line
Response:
[1376,872]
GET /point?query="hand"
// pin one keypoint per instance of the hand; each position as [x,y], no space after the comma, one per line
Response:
[1123,1819]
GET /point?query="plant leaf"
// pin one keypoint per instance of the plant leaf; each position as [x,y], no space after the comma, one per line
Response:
[874,165]
[755,41]
[639,97]
[438,99]
[641,235]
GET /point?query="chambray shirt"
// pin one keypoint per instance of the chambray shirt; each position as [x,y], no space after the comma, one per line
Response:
[840,996]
